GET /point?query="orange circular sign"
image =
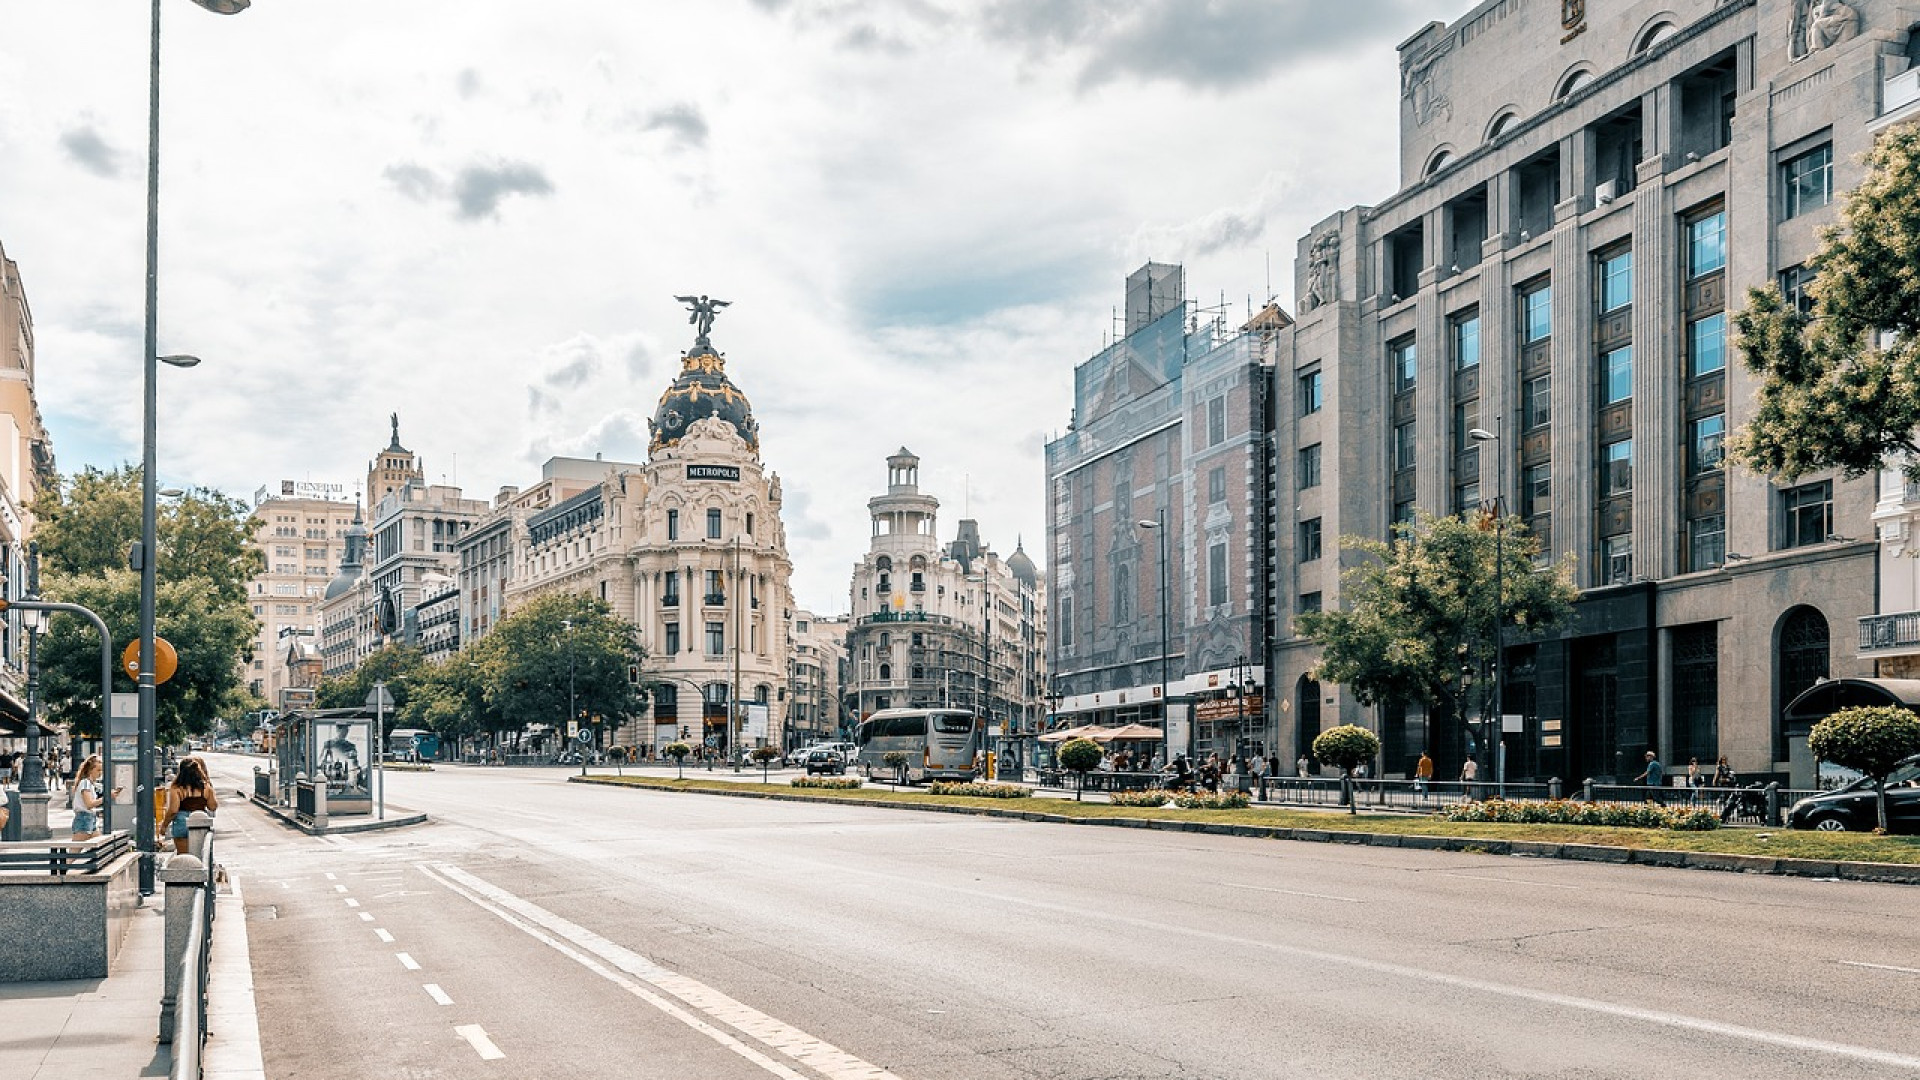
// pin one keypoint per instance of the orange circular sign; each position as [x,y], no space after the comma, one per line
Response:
[165,660]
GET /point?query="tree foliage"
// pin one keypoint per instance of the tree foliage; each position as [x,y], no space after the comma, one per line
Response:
[556,641]
[1841,389]
[1079,755]
[400,667]
[1872,739]
[1421,611]
[86,526]
[1346,747]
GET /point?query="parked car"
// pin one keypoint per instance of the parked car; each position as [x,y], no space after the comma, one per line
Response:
[825,761]
[1852,807]
[798,756]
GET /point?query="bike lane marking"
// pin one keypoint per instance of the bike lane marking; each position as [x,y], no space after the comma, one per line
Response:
[476,1037]
[661,988]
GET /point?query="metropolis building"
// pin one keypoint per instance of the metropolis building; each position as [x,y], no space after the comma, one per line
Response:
[1586,193]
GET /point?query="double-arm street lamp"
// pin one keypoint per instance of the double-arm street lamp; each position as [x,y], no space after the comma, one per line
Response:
[1496,749]
[143,783]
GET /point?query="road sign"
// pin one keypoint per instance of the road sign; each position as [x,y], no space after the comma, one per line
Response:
[378,699]
[165,660]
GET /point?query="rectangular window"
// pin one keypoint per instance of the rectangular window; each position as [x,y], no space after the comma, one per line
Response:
[1616,468]
[1707,244]
[1707,542]
[1536,402]
[670,593]
[1616,560]
[1466,417]
[1707,345]
[1616,282]
[1466,341]
[1404,359]
[716,639]
[1217,574]
[1536,490]
[1309,546]
[1310,401]
[1466,497]
[1616,375]
[1402,516]
[716,594]
[673,524]
[1706,449]
[1794,281]
[1308,602]
[1216,421]
[1536,314]
[1217,485]
[673,638]
[713,524]
[1807,513]
[1308,470]
[1806,182]
[1403,446]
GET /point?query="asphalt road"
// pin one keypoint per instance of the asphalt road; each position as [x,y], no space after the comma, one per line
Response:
[541,929]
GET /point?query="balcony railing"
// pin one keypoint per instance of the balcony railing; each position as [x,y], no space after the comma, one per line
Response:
[903,616]
[716,599]
[670,600]
[1883,633]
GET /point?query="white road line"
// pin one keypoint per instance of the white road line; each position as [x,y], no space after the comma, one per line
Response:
[438,995]
[476,1037]
[1881,967]
[366,916]
[823,1057]
[384,936]
[339,888]
[1290,892]
[1514,881]
[330,877]
[407,962]
[351,902]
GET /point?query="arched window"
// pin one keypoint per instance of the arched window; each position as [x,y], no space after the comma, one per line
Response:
[1653,35]
[886,672]
[1502,124]
[1571,81]
[1440,160]
[1801,658]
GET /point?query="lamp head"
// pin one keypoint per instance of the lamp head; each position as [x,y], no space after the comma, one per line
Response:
[180,360]
[225,7]
[1481,435]
[1147,524]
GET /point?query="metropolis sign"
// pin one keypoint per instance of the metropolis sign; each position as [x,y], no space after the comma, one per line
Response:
[713,472]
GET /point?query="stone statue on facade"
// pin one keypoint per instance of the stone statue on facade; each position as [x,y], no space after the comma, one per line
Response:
[1820,24]
[1322,259]
[1418,82]
[703,310]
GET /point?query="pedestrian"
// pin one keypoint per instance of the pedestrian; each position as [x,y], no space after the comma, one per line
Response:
[1422,773]
[1469,771]
[87,800]
[1723,774]
[191,790]
[6,769]
[1695,781]
[1654,774]
[1303,765]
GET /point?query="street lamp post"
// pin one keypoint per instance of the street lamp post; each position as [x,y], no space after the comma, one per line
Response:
[573,709]
[1159,526]
[143,782]
[1496,743]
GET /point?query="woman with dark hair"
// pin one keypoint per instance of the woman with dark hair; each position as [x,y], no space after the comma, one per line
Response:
[191,790]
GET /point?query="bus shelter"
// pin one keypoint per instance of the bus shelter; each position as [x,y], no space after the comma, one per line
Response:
[334,744]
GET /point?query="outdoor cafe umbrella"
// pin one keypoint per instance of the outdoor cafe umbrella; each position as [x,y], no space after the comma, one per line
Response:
[1131,733]
[1085,731]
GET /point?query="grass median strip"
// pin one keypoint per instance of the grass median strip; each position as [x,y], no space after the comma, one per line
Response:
[1767,843]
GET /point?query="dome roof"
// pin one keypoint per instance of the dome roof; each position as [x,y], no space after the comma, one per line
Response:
[356,537]
[1022,567]
[702,390]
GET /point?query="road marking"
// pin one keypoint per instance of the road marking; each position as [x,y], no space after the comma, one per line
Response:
[543,925]
[407,962]
[438,995]
[351,902]
[1290,892]
[384,936]
[366,916]
[1463,982]
[1881,967]
[476,1037]
[1514,881]
[330,877]
[339,888]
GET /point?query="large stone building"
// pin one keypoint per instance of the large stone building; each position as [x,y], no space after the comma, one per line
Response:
[26,466]
[951,625]
[816,662]
[301,535]
[1169,427]
[1585,194]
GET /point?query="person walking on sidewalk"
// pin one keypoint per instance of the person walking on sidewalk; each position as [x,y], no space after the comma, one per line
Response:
[1422,773]
[1655,774]
[191,790]
[87,799]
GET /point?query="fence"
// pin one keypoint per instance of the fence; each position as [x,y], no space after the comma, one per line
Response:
[62,857]
[190,882]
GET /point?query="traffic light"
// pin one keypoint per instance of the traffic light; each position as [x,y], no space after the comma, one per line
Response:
[684,733]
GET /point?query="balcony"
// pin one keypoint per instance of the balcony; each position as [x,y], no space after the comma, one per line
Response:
[1890,635]
[1901,90]
[670,600]
[716,599]
[903,616]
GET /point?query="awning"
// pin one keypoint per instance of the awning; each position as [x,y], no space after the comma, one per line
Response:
[15,728]
[1104,734]
[1829,696]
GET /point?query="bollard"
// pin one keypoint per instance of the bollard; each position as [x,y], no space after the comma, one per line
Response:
[1586,790]
[183,875]
[1773,803]
[199,828]
[1553,787]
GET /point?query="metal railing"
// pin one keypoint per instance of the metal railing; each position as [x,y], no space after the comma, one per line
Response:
[60,858]
[190,1023]
[1898,630]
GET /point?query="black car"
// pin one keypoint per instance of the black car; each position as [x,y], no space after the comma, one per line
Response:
[1852,807]
[826,761]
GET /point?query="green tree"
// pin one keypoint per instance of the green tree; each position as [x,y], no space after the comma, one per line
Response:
[764,756]
[1421,614]
[1079,756]
[1841,389]
[1346,748]
[678,751]
[401,667]
[87,525]
[450,698]
[1872,739]
[557,640]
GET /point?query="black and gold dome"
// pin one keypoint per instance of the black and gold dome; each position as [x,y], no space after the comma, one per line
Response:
[702,390]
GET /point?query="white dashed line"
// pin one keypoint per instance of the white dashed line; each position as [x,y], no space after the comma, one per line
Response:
[330,877]
[339,888]
[351,902]
[366,916]
[1290,892]
[384,936]
[476,1037]
[407,962]
[438,995]
[1514,881]
[1881,967]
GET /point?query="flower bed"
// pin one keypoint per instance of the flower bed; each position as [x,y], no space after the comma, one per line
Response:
[829,783]
[1149,797]
[1567,812]
[1201,800]
[979,790]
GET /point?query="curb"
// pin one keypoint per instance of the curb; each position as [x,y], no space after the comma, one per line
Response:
[1881,873]
[370,825]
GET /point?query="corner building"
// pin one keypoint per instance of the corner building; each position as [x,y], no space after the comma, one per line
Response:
[1586,194]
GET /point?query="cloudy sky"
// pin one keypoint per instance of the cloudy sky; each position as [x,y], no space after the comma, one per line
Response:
[477,213]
